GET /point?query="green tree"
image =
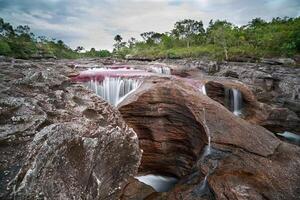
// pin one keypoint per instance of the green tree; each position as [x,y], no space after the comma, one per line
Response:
[221,33]
[188,28]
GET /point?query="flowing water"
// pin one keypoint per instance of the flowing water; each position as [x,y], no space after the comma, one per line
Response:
[159,183]
[114,89]
[203,90]
[234,100]
[291,137]
[207,151]
[112,84]
[161,70]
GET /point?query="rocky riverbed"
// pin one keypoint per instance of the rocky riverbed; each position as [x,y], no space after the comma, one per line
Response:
[59,140]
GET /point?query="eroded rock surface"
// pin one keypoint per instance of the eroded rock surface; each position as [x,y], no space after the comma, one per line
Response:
[274,118]
[246,161]
[277,84]
[58,140]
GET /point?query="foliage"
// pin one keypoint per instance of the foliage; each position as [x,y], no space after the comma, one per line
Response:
[220,40]
[22,43]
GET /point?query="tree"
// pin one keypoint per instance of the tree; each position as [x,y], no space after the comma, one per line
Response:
[118,38]
[78,49]
[5,28]
[131,42]
[220,33]
[119,44]
[152,37]
[23,30]
[147,35]
[256,22]
[188,28]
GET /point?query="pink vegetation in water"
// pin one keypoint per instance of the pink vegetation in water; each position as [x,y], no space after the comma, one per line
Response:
[100,73]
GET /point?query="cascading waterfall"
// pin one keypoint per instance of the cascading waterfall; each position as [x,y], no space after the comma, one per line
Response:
[159,183]
[203,90]
[204,184]
[113,89]
[234,100]
[161,70]
[208,149]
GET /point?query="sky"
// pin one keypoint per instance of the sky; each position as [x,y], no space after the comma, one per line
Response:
[94,23]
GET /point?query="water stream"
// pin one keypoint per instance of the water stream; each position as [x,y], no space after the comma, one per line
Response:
[234,100]
[114,89]
[203,90]
[161,70]
[113,83]
[159,183]
[207,151]
[291,137]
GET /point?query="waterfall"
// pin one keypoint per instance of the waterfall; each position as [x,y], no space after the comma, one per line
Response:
[203,186]
[233,100]
[159,183]
[113,89]
[203,90]
[207,150]
[161,70]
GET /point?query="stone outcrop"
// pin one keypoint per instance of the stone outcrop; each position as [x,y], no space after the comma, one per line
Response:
[275,83]
[245,161]
[59,140]
[136,190]
[274,118]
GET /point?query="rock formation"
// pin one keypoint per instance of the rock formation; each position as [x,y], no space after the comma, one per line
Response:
[276,84]
[274,118]
[245,160]
[59,140]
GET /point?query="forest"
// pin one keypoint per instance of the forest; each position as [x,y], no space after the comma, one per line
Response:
[221,40]
[20,42]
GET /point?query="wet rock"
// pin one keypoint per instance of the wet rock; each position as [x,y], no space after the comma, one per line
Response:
[272,117]
[277,85]
[245,160]
[136,190]
[57,139]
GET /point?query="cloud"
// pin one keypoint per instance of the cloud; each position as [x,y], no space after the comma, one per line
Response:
[94,23]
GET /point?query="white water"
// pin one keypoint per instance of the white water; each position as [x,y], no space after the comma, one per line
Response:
[204,185]
[234,100]
[159,183]
[290,136]
[208,149]
[161,70]
[114,89]
[237,102]
[203,90]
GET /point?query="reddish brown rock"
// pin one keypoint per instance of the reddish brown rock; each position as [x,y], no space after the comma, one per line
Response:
[136,190]
[275,119]
[246,161]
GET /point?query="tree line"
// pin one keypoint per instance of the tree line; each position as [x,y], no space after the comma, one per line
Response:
[20,42]
[220,40]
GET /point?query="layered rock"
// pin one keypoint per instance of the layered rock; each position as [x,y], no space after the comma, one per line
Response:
[275,83]
[59,140]
[162,129]
[274,118]
[136,190]
[245,161]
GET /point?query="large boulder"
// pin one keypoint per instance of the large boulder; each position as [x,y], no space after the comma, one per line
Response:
[175,123]
[277,84]
[275,118]
[59,140]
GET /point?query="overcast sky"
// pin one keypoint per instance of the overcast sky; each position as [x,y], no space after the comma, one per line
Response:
[94,23]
